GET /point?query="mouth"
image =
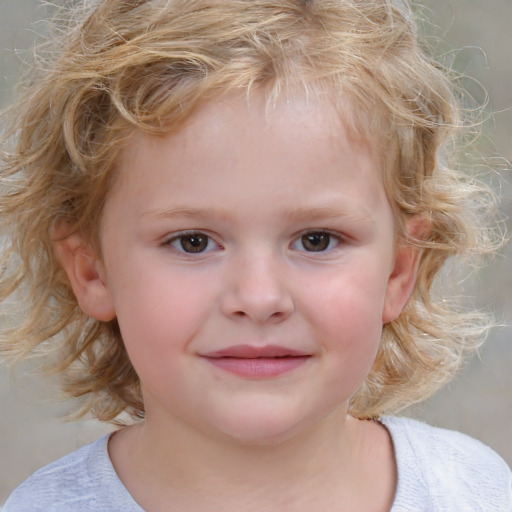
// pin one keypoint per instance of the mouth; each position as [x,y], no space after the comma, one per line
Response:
[257,362]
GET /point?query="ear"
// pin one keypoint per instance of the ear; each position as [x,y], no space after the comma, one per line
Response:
[86,273]
[402,279]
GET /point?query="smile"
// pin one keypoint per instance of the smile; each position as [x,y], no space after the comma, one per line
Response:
[257,362]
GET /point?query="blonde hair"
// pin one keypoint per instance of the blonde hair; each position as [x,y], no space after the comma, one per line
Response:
[120,65]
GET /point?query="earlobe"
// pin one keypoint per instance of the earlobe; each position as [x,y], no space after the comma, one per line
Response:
[86,274]
[402,279]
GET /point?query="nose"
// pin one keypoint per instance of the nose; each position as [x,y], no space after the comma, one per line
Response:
[257,289]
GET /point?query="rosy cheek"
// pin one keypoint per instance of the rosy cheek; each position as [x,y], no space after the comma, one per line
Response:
[338,307]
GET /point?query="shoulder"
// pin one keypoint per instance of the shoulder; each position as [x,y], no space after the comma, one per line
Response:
[441,446]
[83,481]
[446,469]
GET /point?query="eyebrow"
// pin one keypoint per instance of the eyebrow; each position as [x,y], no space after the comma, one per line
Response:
[192,213]
[361,215]
[330,212]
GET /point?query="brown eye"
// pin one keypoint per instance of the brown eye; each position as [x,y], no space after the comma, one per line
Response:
[196,242]
[192,243]
[316,242]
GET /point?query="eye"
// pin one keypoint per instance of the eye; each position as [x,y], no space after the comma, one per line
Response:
[316,241]
[192,242]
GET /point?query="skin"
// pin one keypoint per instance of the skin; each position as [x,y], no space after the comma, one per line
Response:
[253,184]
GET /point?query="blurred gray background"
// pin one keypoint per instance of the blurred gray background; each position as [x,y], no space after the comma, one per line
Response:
[478,402]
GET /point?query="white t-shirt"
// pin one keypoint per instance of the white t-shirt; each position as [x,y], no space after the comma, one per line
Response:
[438,471]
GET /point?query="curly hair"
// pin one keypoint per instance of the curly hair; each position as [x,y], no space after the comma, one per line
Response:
[116,65]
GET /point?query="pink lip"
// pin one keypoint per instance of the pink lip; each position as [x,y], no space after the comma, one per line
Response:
[257,362]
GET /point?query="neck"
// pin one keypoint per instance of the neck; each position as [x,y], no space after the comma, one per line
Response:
[316,469]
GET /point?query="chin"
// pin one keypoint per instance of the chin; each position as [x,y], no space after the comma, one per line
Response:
[262,429]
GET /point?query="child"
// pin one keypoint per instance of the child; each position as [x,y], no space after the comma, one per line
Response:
[226,220]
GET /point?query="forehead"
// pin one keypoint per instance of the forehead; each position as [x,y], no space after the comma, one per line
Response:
[233,144]
[305,115]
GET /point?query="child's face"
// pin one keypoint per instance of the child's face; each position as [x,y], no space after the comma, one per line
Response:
[244,237]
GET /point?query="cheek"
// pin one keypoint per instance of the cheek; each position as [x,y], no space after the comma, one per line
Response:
[159,313]
[346,313]
[350,343]
[349,300]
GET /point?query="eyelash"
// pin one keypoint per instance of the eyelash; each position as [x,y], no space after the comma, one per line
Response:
[332,238]
[179,238]
[319,237]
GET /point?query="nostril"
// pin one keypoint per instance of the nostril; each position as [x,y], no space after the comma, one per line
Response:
[276,316]
[251,300]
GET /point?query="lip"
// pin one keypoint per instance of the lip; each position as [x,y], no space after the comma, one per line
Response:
[253,352]
[257,362]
